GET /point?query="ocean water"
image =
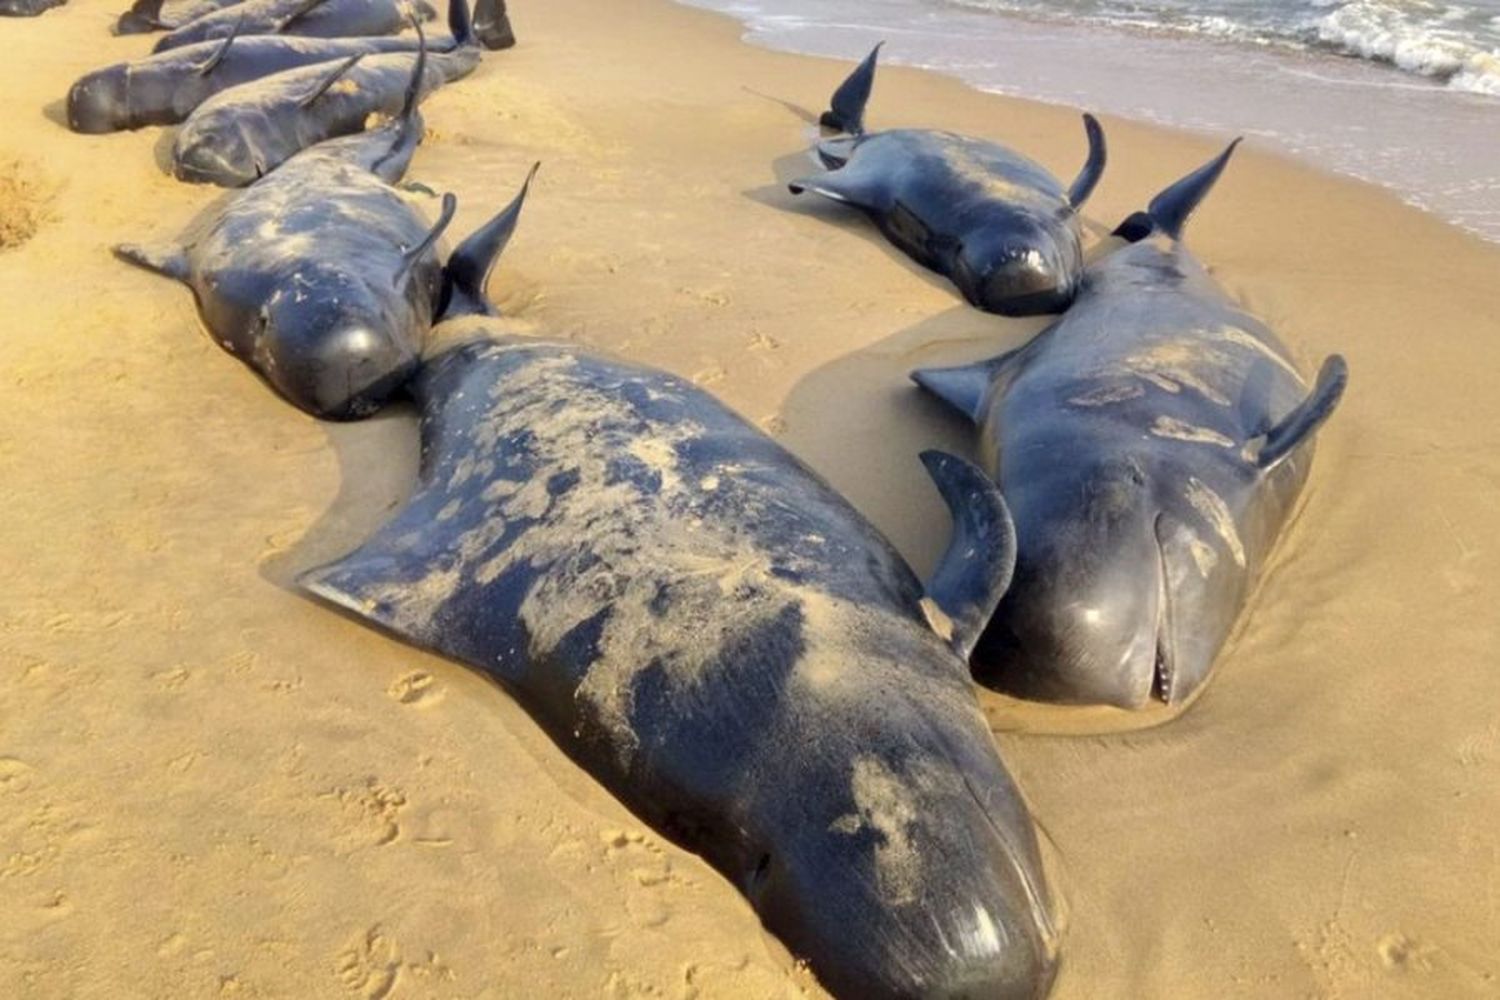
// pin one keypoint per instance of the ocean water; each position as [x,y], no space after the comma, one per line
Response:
[1403,93]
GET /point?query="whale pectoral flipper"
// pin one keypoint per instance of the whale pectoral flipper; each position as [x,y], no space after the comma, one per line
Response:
[848,186]
[964,387]
[976,570]
[846,109]
[1305,419]
[321,87]
[212,62]
[469,266]
[170,261]
[1093,167]
[411,256]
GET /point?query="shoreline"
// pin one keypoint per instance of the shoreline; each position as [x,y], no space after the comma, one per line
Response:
[313,803]
[1359,118]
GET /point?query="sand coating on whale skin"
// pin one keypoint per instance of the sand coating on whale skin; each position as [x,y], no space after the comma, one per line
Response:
[718,637]
[248,131]
[1128,438]
[996,223]
[165,88]
[322,277]
[315,18]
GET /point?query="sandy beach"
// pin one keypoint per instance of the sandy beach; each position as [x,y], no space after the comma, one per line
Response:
[211,785]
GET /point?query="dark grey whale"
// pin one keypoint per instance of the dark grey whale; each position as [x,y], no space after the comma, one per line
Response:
[314,18]
[1152,444]
[993,221]
[322,277]
[246,132]
[27,8]
[165,88]
[721,639]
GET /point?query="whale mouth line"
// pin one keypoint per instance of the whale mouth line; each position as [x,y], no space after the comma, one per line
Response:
[1163,670]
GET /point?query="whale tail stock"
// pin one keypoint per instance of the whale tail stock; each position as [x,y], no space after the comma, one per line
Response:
[1169,210]
[846,110]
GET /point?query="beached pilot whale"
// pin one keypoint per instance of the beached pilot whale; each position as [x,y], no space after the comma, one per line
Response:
[313,18]
[710,630]
[248,131]
[997,224]
[322,277]
[164,15]
[1151,443]
[164,89]
[27,8]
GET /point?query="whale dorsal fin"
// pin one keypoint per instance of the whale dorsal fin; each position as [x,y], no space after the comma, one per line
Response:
[964,387]
[298,14]
[410,257]
[1093,167]
[469,265]
[391,165]
[1307,416]
[846,109]
[975,571]
[461,23]
[321,87]
[1169,210]
[169,261]
[212,62]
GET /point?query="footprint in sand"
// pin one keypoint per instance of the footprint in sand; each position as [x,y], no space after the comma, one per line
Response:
[15,775]
[370,967]
[416,688]
[372,810]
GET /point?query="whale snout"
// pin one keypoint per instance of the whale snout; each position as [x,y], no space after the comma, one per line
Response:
[215,156]
[334,362]
[915,888]
[1022,277]
[1086,618]
[97,104]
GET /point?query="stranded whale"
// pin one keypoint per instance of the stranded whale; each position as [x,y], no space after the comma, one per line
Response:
[1151,443]
[994,222]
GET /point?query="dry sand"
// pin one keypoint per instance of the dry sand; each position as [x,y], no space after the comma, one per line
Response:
[210,785]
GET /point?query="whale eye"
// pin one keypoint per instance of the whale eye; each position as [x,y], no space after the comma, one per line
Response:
[757,880]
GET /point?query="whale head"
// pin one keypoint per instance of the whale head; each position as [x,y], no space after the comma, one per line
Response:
[333,346]
[1021,268]
[1121,597]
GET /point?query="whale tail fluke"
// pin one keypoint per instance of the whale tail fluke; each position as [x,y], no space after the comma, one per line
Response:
[142,17]
[492,25]
[1093,167]
[1169,210]
[470,264]
[976,570]
[846,110]
[1307,416]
